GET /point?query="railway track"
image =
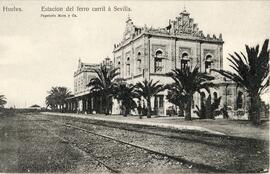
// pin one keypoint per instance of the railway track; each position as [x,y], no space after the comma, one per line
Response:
[86,154]
[130,129]
[199,166]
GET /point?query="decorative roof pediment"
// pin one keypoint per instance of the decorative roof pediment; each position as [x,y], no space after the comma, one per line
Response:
[183,27]
[183,24]
[129,30]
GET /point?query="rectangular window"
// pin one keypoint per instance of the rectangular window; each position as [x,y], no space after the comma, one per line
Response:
[139,62]
[156,102]
[207,67]
[158,65]
[184,64]
[128,69]
[161,101]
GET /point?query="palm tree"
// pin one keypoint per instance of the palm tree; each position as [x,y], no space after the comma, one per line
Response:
[148,89]
[57,96]
[252,73]
[52,98]
[2,101]
[104,84]
[51,101]
[186,83]
[63,94]
[174,96]
[125,94]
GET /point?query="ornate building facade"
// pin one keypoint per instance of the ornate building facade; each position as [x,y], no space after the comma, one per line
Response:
[150,53]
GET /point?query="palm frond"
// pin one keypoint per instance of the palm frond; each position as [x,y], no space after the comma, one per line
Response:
[251,71]
[186,83]
[147,89]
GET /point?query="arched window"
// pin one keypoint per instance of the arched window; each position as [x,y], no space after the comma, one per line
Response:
[139,62]
[158,61]
[185,56]
[184,60]
[159,53]
[128,67]
[208,63]
[239,100]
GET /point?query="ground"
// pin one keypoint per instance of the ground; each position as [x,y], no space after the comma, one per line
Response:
[39,143]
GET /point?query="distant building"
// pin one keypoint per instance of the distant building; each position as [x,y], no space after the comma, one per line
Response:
[35,107]
[83,101]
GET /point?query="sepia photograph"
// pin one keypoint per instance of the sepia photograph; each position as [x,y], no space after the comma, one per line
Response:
[149,86]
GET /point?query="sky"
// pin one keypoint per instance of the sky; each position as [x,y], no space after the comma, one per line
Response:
[37,53]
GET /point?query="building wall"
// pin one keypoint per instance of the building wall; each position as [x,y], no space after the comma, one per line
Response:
[143,51]
[84,73]
[129,56]
[82,77]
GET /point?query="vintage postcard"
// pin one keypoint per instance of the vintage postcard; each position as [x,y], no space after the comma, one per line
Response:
[134,86]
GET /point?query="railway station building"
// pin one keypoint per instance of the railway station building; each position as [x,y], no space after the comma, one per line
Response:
[150,53]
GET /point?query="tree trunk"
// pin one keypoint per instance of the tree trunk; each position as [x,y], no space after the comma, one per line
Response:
[248,107]
[125,112]
[188,109]
[107,105]
[255,106]
[149,107]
